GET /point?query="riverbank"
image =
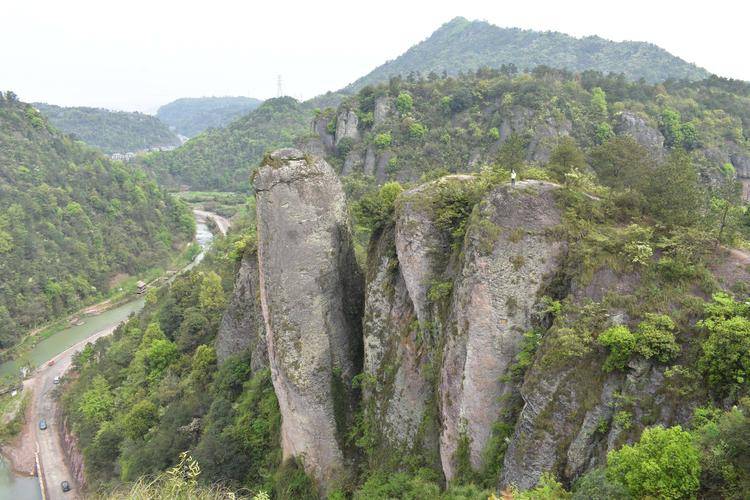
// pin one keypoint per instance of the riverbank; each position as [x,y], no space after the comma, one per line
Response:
[123,294]
[41,389]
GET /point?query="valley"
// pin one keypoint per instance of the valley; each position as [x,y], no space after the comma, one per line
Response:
[505,263]
[53,358]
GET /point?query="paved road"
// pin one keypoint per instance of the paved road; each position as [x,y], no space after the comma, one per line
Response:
[51,454]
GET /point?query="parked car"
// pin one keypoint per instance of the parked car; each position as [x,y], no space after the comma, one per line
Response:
[51,362]
[56,380]
[43,424]
[65,486]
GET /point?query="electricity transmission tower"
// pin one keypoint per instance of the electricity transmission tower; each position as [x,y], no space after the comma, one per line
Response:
[279,92]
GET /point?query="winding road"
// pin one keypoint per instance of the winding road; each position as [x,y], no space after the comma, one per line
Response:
[43,405]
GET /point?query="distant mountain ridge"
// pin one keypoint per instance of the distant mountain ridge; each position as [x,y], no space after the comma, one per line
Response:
[221,158]
[190,116]
[110,131]
[462,45]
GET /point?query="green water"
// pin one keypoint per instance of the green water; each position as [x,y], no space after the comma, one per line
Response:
[17,487]
[60,341]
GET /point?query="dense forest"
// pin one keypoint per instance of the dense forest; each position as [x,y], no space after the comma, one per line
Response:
[220,159]
[645,323]
[192,115]
[462,45]
[417,126]
[110,131]
[70,219]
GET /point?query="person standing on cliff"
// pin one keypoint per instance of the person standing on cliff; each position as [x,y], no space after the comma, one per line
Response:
[513,177]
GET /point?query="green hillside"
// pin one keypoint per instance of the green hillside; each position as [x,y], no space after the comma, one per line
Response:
[220,159]
[70,219]
[462,45]
[110,131]
[192,115]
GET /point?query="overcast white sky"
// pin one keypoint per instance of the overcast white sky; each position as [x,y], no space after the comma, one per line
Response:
[139,54]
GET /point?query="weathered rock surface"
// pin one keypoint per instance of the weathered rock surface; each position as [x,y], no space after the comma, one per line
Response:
[382,110]
[567,424]
[346,126]
[311,296]
[399,399]
[242,325]
[508,257]
[352,163]
[420,245]
[631,124]
[370,161]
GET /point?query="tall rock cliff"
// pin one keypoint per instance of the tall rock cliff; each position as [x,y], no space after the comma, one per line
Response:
[443,325]
[509,256]
[311,296]
[242,325]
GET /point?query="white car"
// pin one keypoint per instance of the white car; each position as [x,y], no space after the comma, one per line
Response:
[56,380]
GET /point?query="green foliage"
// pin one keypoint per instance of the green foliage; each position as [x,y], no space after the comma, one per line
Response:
[677,201]
[417,130]
[439,290]
[594,485]
[404,103]
[512,153]
[97,403]
[191,116]
[110,131]
[656,338]
[663,464]
[725,358]
[548,488]
[621,343]
[722,440]
[461,45]
[384,486]
[653,338]
[70,220]
[383,140]
[291,483]
[599,103]
[221,159]
[374,210]
[676,133]
[565,157]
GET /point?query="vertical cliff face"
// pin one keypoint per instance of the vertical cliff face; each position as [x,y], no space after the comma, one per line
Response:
[242,324]
[401,393]
[311,296]
[443,327]
[509,256]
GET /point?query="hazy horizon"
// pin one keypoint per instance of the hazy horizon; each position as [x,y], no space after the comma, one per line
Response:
[143,55]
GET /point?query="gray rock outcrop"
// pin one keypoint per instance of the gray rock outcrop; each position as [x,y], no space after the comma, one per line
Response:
[242,325]
[509,256]
[311,297]
[633,125]
[399,399]
[382,110]
[346,126]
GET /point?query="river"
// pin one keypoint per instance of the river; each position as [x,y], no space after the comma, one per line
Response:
[17,487]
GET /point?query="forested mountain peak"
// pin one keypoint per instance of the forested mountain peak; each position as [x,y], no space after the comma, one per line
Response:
[110,131]
[190,116]
[463,45]
[70,219]
[220,158]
